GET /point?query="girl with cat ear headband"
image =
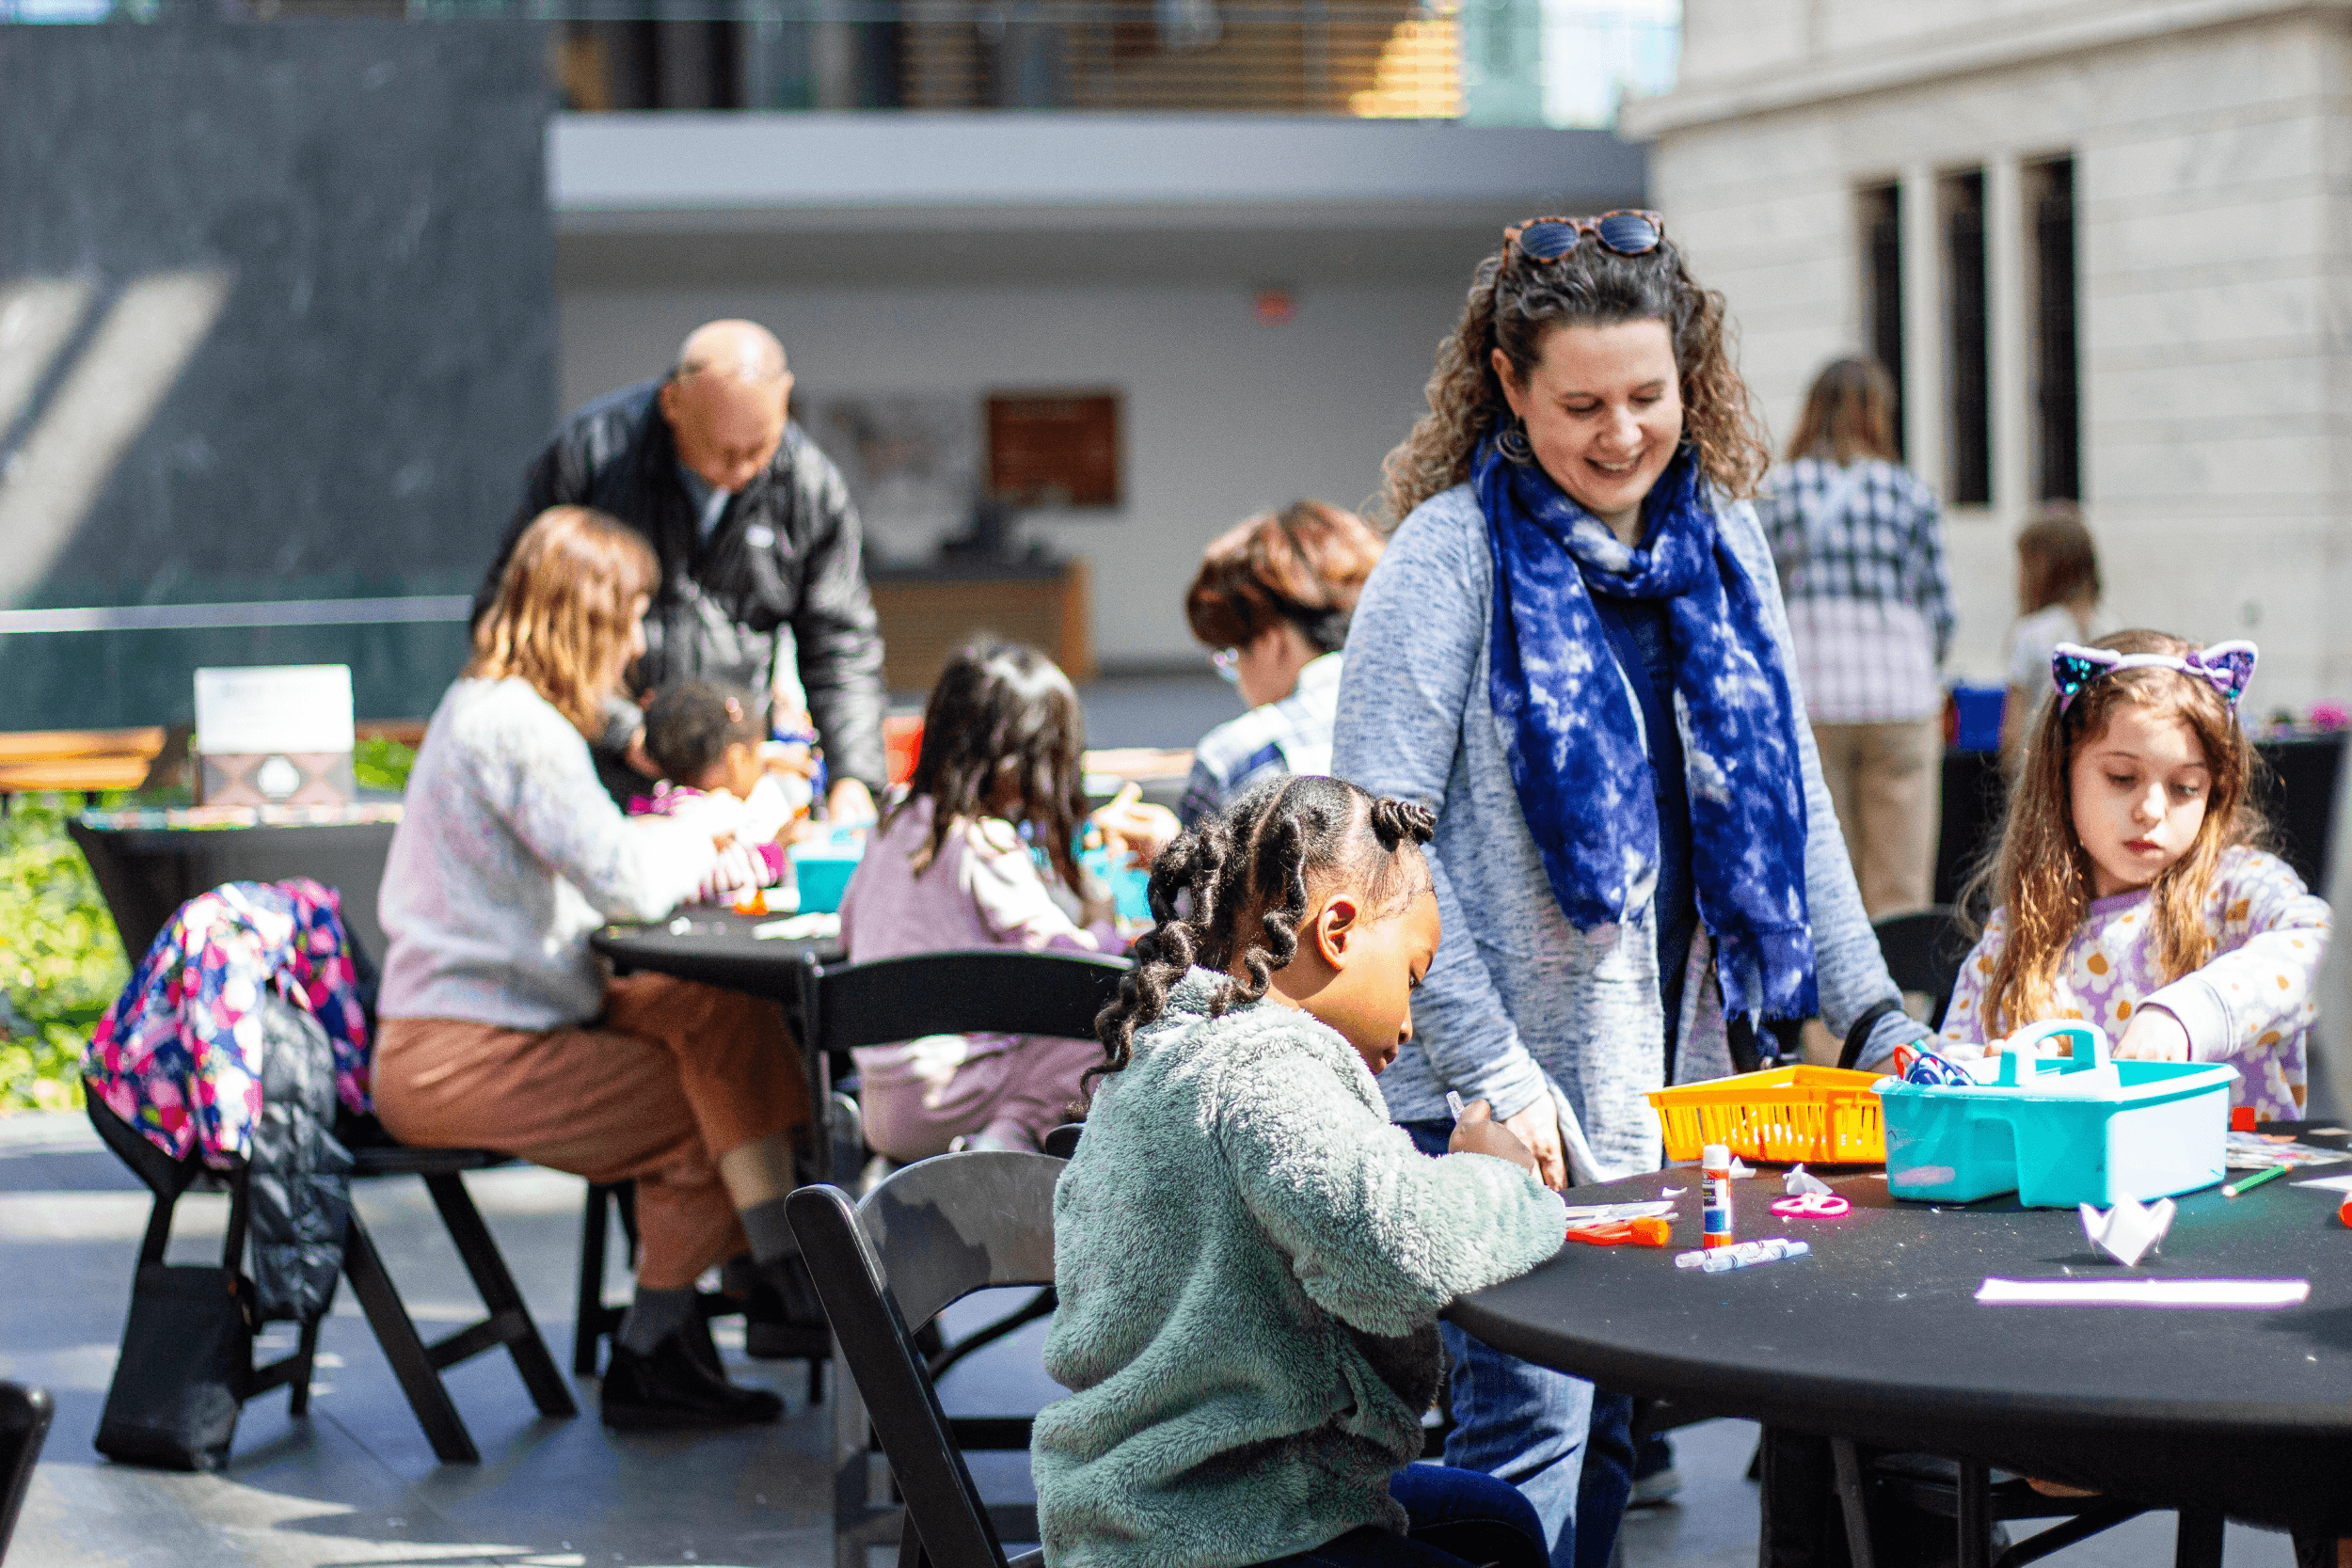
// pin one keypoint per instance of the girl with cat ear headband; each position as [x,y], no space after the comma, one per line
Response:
[2131,887]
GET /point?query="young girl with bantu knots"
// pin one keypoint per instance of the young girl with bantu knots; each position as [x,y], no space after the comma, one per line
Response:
[2133,889]
[1250,1258]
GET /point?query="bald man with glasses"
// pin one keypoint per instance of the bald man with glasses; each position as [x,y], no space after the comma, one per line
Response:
[763,582]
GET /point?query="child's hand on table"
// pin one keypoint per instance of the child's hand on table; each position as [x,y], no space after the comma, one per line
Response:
[1478,1133]
[2153,1035]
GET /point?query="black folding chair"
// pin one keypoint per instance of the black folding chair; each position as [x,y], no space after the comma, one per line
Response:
[927,1236]
[417,1365]
[991,992]
[24,1416]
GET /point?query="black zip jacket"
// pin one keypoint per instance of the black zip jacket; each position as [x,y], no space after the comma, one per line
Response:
[786,553]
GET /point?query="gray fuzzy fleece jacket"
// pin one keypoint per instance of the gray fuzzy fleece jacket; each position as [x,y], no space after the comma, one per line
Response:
[1251,1261]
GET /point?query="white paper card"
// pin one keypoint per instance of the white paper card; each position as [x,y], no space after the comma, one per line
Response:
[273,707]
[2143,1291]
[2330,1183]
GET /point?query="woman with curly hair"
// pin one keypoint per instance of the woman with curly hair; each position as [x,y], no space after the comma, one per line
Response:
[1574,649]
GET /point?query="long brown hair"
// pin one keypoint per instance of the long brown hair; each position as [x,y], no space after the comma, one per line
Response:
[1850,413]
[2042,874]
[564,609]
[1513,307]
[1304,564]
[2059,559]
[1002,712]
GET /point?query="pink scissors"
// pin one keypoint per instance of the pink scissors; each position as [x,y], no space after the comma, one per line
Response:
[1812,1206]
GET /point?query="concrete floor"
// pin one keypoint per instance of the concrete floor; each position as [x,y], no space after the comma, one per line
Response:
[355,1483]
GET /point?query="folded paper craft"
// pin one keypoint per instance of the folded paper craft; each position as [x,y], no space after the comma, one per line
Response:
[2130,1231]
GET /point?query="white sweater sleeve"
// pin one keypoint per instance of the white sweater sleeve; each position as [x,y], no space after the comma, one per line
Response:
[2257,990]
[533,771]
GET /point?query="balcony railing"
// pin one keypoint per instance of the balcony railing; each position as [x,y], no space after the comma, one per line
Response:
[1494,62]
[1361,57]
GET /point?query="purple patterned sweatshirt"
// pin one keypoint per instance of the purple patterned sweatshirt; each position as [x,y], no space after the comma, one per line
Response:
[2250,1006]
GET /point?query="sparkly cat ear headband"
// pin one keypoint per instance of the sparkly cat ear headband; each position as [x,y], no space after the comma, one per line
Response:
[2228,665]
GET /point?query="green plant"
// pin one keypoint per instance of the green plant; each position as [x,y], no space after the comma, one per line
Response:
[61,964]
[379,761]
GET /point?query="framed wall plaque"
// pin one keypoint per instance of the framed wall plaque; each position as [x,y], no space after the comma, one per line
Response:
[1056,448]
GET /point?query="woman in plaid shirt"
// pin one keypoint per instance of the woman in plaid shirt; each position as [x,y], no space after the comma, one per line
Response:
[1859,541]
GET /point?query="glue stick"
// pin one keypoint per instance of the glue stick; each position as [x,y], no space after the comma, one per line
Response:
[1715,1175]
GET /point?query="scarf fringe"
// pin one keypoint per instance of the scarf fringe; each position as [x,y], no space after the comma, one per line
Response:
[1768,973]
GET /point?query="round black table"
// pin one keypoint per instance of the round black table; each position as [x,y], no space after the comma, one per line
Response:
[1875,1337]
[718,950]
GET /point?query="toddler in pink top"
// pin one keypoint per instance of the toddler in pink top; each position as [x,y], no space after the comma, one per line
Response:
[2133,893]
[947,869]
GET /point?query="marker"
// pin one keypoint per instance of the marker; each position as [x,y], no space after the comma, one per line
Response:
[1741,1255]
[1454,1103]
[2247,1184]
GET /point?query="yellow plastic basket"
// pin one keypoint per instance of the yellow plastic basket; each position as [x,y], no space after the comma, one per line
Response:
[1821,1114]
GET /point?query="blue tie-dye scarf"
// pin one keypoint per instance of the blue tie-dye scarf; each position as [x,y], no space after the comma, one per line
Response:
[1573,732]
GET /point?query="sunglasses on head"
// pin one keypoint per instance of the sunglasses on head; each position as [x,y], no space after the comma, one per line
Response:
[1629,232]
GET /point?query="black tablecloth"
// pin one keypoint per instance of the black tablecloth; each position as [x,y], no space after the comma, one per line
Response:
[1875,1337]
[145,874]
[718,950]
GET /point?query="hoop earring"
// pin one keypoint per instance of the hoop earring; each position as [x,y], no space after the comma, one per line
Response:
[1511,441]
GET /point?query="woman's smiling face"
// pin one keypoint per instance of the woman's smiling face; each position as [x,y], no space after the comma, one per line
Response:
[1604,412]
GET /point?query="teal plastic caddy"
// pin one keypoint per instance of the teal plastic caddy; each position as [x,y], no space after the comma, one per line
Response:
[2062,1132]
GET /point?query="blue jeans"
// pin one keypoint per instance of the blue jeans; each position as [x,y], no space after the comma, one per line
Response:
[1457,1519]
[1567,1446]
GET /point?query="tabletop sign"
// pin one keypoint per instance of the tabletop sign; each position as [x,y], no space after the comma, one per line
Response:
[274,735]
[1053,448]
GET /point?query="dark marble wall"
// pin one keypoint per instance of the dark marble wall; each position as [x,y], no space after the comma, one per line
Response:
[367,200]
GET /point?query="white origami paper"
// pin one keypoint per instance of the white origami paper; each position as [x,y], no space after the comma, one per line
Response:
[1799,1181]
[2130,1231]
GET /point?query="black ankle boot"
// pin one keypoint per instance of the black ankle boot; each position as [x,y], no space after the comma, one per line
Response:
[785,1319]
[669,1387]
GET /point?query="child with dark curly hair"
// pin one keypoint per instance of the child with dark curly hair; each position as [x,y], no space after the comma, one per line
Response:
[1250,1258]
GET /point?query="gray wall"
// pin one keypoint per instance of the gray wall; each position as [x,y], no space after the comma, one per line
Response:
[309,268]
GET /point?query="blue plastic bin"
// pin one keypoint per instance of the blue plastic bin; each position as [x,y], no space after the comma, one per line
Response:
[2059,1133]
[1977,718]
[821,868]
[1128,885]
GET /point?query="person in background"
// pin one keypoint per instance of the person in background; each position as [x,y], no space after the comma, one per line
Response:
[1859,543]
[952,867]
[1272,598]
[500,1028]
[2058,601]
[1574,637]
[709,741]
[762,581]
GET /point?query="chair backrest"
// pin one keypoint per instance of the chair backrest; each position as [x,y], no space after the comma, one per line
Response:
[1062,1142]
[1924,951]
[24,1414]
[997,991]
[931,1234]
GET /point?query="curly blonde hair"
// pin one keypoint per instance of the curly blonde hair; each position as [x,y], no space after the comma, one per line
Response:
[1513,307]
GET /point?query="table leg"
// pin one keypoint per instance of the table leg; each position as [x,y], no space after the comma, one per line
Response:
[1851,1496]
[2199,1543]
[1976,1515]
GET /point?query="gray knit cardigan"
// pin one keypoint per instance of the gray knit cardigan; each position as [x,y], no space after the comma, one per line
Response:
[1251,1261]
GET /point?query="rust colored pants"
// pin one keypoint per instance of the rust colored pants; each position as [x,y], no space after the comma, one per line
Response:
[674,1075]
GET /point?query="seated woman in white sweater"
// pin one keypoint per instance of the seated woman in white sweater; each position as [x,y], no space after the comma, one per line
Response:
[499,1029]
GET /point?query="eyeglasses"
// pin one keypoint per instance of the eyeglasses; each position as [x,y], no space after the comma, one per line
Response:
[1228,663]
[1628,231]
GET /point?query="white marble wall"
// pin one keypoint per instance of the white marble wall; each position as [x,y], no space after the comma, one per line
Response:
[2216,294]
